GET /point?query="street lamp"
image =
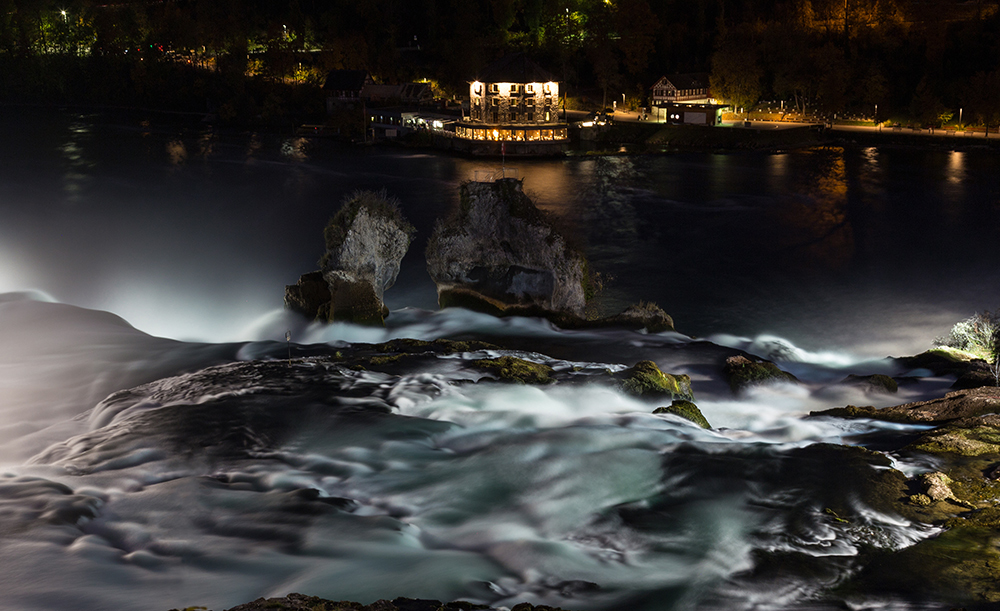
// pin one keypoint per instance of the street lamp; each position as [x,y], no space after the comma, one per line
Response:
[63,13]
[959,118]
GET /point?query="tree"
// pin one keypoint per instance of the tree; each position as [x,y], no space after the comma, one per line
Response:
[982,97]
[737,74]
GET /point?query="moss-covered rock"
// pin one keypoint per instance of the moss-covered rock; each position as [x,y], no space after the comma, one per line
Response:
[645,379]
[642,315]
[742,373]
[941,360]
[966,437]
[513,369]
[953,406]
[960,566]
[687,410]
[877,382]
[437,346]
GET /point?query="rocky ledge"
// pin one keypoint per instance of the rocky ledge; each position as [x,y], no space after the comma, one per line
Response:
[300,602]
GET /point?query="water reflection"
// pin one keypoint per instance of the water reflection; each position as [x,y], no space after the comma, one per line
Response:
[955,175]
[777,170]
[294,149]
[176,152]
[206,145]
[812,222]
[76,176]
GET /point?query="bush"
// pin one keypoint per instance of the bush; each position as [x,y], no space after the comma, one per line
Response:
[978,335]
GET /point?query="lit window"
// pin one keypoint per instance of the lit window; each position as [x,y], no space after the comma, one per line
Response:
[529,88]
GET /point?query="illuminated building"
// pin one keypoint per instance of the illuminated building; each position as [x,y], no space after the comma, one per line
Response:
[681,88]
[684,99]
[514,101]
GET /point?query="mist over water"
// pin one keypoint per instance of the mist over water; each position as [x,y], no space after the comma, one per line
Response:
[158,444]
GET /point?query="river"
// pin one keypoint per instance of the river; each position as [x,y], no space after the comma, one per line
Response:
[137,252]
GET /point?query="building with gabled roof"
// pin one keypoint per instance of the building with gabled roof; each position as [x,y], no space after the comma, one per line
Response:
[693,88]
[513,100]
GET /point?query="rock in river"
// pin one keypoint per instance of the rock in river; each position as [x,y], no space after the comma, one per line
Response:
[499,250]
[365,243]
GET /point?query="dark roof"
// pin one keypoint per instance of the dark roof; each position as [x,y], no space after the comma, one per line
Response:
[695,80]
[515,68]
[346,80]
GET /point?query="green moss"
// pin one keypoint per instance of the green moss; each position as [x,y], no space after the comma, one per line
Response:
[687,410]
[970,486]
[952,354]
[835,517]
[973,441]
[867,411]
[645,379]
[961,566]
[920,500]
[513,369]
[385,359]
[438,346]
[741,373]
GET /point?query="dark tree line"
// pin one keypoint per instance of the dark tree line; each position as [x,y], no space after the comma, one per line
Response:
[921,59]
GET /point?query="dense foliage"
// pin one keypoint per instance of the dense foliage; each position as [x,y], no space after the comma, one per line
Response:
[920,60]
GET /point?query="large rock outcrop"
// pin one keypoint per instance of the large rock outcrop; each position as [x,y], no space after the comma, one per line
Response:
[365,243]
[499,251]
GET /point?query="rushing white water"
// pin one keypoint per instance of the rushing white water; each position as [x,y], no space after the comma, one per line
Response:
[141,472]
[262,477]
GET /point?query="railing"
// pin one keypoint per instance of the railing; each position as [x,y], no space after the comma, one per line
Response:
[495,175]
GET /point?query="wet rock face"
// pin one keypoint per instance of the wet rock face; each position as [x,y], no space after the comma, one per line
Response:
[687,410]
[370,251]
[742,373]
[501,248]
[954,405]
[308,296]
[365,243]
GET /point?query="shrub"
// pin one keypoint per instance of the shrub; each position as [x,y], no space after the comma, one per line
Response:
[978,335]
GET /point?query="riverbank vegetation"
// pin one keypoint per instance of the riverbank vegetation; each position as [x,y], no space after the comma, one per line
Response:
[927,63]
